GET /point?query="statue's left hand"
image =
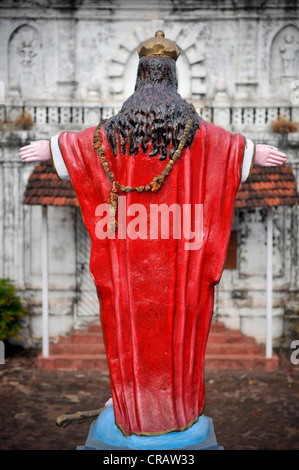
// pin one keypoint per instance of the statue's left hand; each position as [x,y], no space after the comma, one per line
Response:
[38,151]
[266,155]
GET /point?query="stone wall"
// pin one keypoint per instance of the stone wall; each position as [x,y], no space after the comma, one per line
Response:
[70,63]
[87,49]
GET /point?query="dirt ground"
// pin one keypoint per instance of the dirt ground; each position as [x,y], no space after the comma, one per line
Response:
[251,409]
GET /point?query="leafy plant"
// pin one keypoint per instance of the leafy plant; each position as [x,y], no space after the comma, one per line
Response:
[282,125]
[24,119]
[11,310]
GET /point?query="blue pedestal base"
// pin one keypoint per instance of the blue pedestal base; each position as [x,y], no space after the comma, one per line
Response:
[104,435]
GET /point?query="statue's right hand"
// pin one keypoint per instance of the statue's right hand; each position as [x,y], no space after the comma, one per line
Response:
[38,151]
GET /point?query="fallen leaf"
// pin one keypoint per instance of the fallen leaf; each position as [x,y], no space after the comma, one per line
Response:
[72,398]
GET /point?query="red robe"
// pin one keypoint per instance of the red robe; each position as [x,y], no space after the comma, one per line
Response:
[156,297]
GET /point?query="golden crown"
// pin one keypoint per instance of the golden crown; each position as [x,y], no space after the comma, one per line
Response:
[159,46]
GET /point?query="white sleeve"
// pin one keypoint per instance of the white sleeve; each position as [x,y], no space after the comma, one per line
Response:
[247,159]
[58,161]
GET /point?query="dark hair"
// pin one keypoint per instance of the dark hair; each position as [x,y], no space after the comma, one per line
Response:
[155,112]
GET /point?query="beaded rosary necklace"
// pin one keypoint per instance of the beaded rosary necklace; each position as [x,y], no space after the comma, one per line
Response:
[154,185]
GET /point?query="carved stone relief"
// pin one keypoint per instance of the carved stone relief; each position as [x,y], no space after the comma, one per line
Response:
[25,62]
[284,63]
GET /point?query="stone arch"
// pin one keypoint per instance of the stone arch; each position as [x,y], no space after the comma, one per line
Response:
[284,55]
[25,61]
[190,66]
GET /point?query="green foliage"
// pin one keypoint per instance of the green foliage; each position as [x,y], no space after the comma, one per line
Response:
[11,310]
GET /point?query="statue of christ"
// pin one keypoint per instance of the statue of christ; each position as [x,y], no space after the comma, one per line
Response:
[156,292]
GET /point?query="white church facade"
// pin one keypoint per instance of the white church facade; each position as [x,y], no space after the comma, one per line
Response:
[70,64]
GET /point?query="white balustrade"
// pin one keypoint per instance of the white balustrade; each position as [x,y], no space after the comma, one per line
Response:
[234,117]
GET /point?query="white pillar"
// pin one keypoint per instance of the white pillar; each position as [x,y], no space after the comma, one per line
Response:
[45,283]
[269,282]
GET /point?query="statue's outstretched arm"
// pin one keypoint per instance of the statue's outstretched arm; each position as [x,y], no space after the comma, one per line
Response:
[38,151]
[266,155]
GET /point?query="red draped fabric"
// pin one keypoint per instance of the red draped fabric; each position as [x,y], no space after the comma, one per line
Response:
[156,296]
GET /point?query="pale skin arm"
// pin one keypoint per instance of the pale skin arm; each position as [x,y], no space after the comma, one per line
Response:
[37,151]
[265,155]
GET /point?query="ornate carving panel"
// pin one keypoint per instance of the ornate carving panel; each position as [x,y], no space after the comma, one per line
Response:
[25,62]
[284,61]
